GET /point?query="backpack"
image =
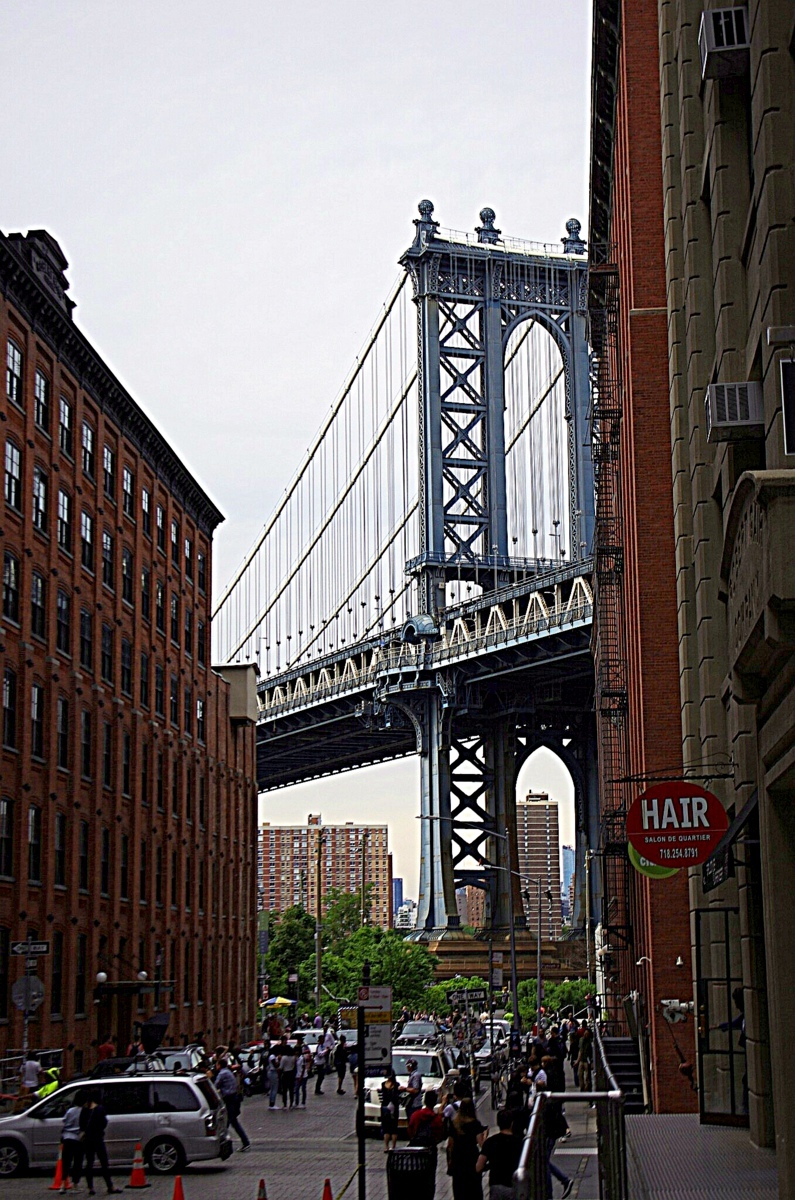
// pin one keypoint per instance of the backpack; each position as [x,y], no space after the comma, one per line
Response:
[424,1135]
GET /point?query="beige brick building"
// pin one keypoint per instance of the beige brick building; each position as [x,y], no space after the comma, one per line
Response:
[538,844]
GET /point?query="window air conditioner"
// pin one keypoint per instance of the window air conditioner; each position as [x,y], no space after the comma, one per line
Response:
[723,42]
[734,410]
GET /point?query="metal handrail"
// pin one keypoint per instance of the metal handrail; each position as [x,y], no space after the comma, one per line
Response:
[530,1178]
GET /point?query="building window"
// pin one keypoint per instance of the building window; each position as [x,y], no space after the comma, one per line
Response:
[124,868]
[160,522]
[188,558]
[5,954]
[39,500]
[126,763]
[13,476]
[175,619]
[127,575]
[65,424]
[200,644]
[146,593]
[144,679]
[202,794]
[87,541]
[200,719]
[109,470]
[146,512]
[188,630]
[107,754]
[142,874]
[41,408]
[188,882]
[81,957]
[86,639]
[63,622]
[38,591]
[189,795]
[186,976]
[128,491]
[160,784]
[7,837]
[34,843]
[159,875]
[64,520]
[62,733]
[106,658]
[59,860]
[187,708]
[11,587]
[82,856]
[174,694]
[173,883]
[201,563]
[104,862]
[85,743]
[160,700]
[200,975]
[126,667]
[200,881]
[145,774]
[107,558]
[37,720]
[175,791]
[160,607]
[87,447]
[56,977]
[175,543]
[14,372]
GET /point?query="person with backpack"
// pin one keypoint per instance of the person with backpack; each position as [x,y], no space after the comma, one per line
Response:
[426,1126]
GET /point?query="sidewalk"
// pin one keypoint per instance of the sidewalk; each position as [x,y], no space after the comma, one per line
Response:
[674,1157]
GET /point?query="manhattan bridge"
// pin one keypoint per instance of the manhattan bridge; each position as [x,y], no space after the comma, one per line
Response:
[425,584]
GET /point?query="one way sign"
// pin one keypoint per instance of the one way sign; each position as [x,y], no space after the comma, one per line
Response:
[30,947]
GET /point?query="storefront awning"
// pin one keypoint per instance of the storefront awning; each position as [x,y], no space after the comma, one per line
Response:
[720,865]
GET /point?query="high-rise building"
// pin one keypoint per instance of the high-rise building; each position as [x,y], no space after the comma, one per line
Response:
[567,875]
[397,894]
[539,858]
[127,766]
[406,916]
[288,865]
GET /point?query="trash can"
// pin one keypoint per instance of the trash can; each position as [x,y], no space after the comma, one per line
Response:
[411,1173]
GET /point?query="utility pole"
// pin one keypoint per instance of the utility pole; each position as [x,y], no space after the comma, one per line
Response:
[321,837]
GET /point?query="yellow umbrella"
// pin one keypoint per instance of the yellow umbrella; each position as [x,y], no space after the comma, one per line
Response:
[278,1002]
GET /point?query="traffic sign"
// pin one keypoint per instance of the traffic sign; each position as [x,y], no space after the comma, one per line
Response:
[28,993]
[676,824]
[496,977]
[377,1005]
[30,947]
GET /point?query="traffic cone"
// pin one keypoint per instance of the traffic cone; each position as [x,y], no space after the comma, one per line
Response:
[138,1174]
[58,1182]
[327,1190]
[178,1192]
[261,1193]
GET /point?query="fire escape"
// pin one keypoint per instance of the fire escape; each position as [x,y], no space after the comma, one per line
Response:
[608,639]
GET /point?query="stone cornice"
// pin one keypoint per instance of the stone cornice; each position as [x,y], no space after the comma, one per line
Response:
[54,325]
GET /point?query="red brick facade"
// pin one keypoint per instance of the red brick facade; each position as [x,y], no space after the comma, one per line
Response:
[127,828]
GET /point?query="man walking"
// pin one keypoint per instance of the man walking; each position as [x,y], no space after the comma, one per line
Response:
[341,1063]
[230,1094]
[413,1087]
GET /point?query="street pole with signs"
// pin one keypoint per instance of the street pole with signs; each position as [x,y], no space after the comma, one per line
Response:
[28,991]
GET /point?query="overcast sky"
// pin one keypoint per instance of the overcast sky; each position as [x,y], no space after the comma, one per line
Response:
[233,184]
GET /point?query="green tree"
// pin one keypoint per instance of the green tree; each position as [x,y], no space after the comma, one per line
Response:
[556,996]
[292,940]
[406,966]
[343,915]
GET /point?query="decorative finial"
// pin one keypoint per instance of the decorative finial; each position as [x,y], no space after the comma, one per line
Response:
[426,226]
[486,232]
[573,243]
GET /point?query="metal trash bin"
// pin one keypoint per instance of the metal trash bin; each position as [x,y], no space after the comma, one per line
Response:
[411,1173]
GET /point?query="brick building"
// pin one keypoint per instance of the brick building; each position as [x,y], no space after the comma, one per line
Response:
[127,781]
[288,865]
[646,922]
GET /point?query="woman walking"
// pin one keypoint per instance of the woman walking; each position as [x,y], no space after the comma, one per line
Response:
[390,1109]
[272,1076]
[463,1150]
[93,1123]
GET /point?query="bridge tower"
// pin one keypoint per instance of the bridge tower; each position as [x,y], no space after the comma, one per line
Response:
[471,293]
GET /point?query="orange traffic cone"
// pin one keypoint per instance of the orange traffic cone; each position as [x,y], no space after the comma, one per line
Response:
[261,1193]
[327,1190]
[58,1181]
[138,1174]
[178,1192]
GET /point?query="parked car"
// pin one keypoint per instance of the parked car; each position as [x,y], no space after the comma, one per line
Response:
[438,1071]
[177,1119]
[415,1033]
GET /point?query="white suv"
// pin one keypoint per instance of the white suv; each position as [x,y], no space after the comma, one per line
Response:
[436,1066]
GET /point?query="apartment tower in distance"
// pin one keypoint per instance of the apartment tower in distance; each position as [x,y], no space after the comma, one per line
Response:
[538,842]
[290,856]
[127,769]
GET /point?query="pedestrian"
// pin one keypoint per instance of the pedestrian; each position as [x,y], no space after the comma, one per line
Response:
[463,1150]
[413,1087]
[272,1076]
[107,1049]
[71,1146]
[390,1111]
[426,1126]
[499,1155]
[585,1059]
[286,1073]
[321,1065]
[29,1073]
[341,1063]
[303,1064]
[227,1086]
[93,1123]
[554,1126]
[353,1067]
